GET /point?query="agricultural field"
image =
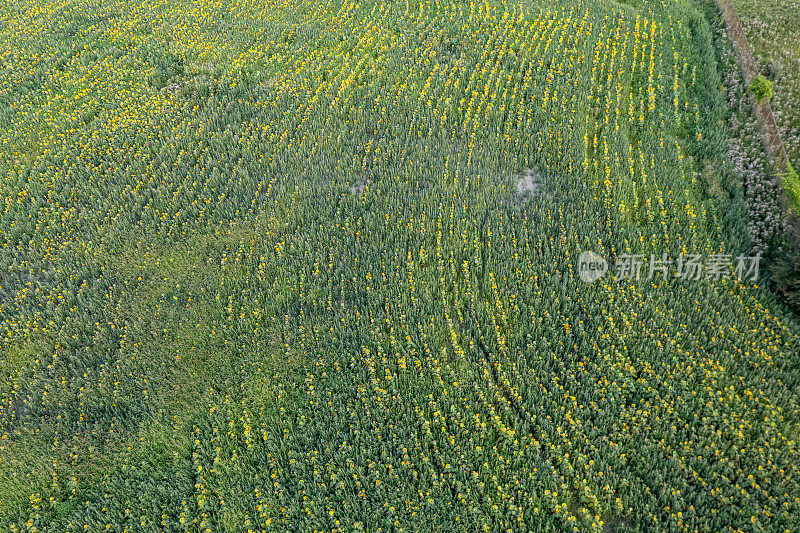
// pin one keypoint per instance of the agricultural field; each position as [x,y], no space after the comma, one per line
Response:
[313,266]
[772,29]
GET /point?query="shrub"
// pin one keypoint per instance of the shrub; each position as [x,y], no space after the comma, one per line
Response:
[762,88]
[791,187]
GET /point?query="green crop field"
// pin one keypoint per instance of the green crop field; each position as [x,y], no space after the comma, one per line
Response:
[314,266]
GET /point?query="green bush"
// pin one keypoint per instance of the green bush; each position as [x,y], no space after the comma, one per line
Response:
[791,187]
[762,88]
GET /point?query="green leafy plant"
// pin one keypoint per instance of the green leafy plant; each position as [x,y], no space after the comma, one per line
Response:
[791,187]
[762,88]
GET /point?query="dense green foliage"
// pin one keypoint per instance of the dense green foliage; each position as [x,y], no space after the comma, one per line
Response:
[263,266]
[762,88]
[785,272]
[791,184]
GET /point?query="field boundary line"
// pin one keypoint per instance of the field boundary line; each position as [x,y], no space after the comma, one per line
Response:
[769,128]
